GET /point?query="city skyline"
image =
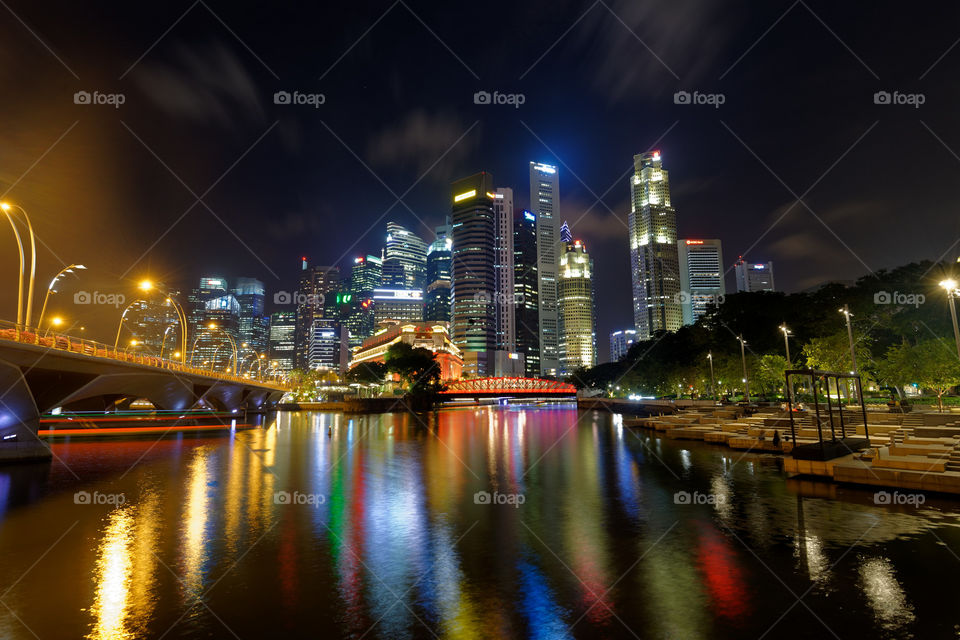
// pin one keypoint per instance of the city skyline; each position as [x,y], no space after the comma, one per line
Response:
[295,179]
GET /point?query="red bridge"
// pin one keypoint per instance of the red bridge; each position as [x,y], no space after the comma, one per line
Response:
[504,387]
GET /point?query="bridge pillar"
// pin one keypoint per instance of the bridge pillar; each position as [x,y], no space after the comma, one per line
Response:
[19,418]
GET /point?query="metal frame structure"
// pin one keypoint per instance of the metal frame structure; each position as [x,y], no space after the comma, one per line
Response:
[817,378]
[509,386]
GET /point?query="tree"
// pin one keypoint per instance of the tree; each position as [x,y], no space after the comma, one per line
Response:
[770,374]
[368,373]
[937,368]
[832,353]
[416,366]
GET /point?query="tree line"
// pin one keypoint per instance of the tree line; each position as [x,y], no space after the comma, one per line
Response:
[902,330]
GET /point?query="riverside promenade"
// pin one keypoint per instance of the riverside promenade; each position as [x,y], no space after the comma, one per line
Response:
[914,451]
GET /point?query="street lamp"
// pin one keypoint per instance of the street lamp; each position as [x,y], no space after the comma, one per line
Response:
[786,343]
[951,288]
[743,360]
[55,321]
[6,207]
[853,355]
[51,289]
[713,389]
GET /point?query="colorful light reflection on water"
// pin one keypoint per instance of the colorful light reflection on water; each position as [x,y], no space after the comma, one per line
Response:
[395,542]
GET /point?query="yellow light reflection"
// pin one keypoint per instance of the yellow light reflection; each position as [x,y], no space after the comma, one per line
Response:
[111,606]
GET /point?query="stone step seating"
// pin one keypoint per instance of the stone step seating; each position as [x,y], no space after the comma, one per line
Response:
[884,459]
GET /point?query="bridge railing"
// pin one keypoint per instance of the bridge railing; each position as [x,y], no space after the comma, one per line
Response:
[62,342]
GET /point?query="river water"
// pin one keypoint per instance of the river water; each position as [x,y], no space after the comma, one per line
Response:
[492,522]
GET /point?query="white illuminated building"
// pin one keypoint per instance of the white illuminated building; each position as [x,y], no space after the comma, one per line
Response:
[654,262]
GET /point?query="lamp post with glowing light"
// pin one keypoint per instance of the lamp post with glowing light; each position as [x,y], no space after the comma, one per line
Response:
[951,287]
[713,389]
[743,360]
[123,316]
[23,319]
[51,289]
[55,321]
[853,354]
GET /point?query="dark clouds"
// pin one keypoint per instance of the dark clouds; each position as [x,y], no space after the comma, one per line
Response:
[297,180]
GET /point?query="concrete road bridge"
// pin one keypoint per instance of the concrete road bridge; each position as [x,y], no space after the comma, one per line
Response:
[40,372]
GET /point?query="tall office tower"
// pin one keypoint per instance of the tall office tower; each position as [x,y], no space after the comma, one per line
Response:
[283,345]
[218,333]
[210,287]
[575,312]
[315,283]
[154,325]
[654,262]
[436,297]
[405,259]
[366,275]
[253,326]
[474,273]
[324,350]
[701,277]
[565,235]
[620,342]
[754,276]
[545,205]
[526,290]
[503,264]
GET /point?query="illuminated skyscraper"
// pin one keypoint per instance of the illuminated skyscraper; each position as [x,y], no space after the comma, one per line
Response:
[283,326]
[654,262]
[315,283]
[474,272]
[620,342]
[154,325]
[577,322]
[754,276]
[366,275]
[405,259]
[545,205]
[436,297]
[503,264]
[701,277]
[526,288]
[253,325]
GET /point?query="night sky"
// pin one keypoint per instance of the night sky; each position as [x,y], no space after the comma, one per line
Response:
[199,172]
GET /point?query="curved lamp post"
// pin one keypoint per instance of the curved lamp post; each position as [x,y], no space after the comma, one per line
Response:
[23,320]
[123,316]
[51,289]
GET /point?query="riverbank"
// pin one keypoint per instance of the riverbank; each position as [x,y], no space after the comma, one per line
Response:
[915,451]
